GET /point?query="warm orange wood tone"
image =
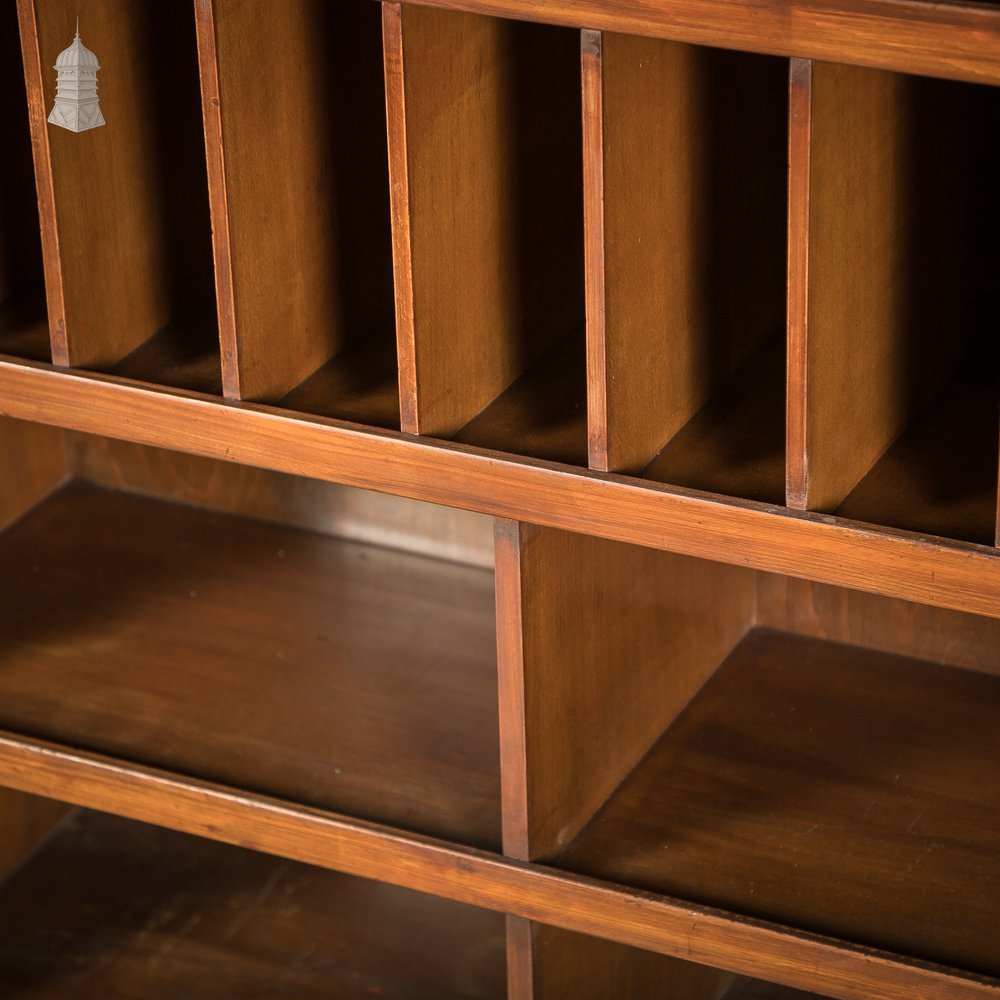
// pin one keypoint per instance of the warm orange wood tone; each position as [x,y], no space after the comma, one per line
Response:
[369,686]
[124,207]
[845,792]
[34,464]
[121,909]
[689,204]
[485,171]
[695,933]
[25,821]
[304,221]
[810,546]
[665,622]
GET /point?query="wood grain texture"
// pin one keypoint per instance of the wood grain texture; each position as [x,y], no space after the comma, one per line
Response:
[484,131]
[130,231]
[332,673]
[825,788]
[33,463]
[958,40]
[695,933]
[115,908]
[355,515]
[809,546]
[308,246]
[665,622]
[693,204]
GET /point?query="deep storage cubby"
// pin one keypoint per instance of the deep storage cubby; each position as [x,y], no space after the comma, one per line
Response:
[686,181]
[302,205]
[895,372]
[109,907]
[486,180]
[24,330]
[316,666]
[132,258]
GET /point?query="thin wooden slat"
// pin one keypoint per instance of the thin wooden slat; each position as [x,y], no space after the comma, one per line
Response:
[690,198]
[574,728]
[303,253]
[123,218]
[697,934]
[960,40]
[485,175]
[808,546]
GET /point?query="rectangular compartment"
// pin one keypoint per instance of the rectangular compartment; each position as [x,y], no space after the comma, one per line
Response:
[295,109]
[128,201]
[24,329]
[485,164]
[894,376]
[686,215]
[109,907]
[310,642]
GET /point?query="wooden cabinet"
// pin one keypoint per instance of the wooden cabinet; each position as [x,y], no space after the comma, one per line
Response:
[512,513]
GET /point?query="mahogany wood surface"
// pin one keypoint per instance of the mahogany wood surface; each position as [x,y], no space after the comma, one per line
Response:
[124,206]
[811,546]
[34,463]
[685,930]
[690,200]
[825,788]
[485,169]
[307,244]
[573,728]
[112,908]
[328,672]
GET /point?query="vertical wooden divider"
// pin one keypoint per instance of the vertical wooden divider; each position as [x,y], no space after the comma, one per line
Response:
[126,249]
[484,214]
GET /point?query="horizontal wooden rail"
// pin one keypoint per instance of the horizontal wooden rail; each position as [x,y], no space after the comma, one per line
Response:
[959,41]
[657,923]
[810,546]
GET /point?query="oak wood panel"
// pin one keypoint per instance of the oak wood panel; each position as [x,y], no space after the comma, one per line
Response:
[692,191]
[484,142]
[307,247]
[881,623]
[956,40]
[827,788]
[116,908]
[357,515]
[129,231]
[33,462]
[809,546]
[322,671]
[663,621]
[25,822]
[684,930]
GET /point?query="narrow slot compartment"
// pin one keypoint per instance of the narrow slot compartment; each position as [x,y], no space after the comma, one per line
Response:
[686,215]
[486,171]
[24,329]
[111,907]
[893,402]
[295,109]
[343,666]
[133,254]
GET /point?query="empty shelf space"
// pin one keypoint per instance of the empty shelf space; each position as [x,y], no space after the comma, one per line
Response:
[360,383]
[544,413]
[110,907]
[824,787]
[336,674]
[735,444]
[754,989]
[24,328]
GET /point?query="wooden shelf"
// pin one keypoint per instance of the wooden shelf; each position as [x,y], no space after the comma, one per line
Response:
[846,792]
[109,907]
[339,675]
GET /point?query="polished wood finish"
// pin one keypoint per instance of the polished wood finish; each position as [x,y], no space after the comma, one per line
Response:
[116,908]
[574,727]
[845,792]
[369,686]
[40,458]
[305,248]
[124,207]
[485,179]
[686,188]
